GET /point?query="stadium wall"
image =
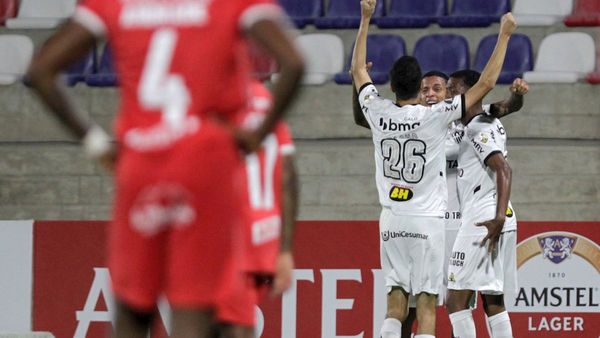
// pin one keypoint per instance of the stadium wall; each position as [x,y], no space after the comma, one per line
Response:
[55,280]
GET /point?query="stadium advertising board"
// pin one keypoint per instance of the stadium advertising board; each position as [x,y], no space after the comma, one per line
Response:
[338,287]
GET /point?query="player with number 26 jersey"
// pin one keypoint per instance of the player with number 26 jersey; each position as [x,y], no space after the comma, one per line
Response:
[183,68]
[409,152]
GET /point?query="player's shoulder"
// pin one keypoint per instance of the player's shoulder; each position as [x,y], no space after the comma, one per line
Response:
[370,98]
[447,104]
[482,120]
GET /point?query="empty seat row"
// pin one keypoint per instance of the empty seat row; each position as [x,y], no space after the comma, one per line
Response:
[565,57]
[464,13]
[342,14]
[443,52]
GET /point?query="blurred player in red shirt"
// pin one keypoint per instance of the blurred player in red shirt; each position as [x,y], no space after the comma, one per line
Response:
[270,187]
[183,71]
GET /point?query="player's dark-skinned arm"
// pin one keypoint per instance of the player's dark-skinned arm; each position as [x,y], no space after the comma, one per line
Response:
[358,67]
[271,36]
[492,69]
[359,117]
[289,211]
[69,44]
[514,103]
[498,164]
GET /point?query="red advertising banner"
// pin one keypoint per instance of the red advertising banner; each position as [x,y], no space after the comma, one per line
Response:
[338,289]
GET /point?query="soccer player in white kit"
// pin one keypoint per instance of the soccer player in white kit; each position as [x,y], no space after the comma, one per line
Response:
[433,91]
[409,156]
[484,179]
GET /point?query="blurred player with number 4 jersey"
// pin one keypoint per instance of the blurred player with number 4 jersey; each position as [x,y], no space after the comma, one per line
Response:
[183,71]
[270,188]
[410,173]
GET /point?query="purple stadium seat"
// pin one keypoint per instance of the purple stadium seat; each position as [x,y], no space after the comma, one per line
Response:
[383,50]
[412,14]
[519,56]
[303,12]
[79,71]
[444,52]
[475,13]
[345,14]
[105,75]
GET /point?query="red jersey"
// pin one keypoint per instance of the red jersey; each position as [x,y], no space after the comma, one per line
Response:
[174,61]
[262,172]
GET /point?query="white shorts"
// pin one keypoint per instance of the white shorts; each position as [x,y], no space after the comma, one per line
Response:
[411,254]
[450,236]
[471,267]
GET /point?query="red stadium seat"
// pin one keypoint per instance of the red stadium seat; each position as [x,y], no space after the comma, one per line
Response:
[586,13]
[8,9]
[593,78]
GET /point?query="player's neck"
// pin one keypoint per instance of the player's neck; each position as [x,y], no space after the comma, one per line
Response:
[401,103]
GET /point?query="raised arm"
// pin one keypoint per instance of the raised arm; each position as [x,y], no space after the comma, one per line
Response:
[515,101]
[359,117]
[358,68]
[492,69]
[270,35]
[498,164]
[289,206]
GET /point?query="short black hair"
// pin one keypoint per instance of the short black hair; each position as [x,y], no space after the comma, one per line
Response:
[436,73]
[406,78]
[468,77]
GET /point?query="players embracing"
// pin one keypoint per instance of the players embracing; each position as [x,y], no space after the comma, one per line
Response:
[409,139]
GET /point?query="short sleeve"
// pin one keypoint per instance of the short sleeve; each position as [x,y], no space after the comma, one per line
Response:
[92,14]
[369,98]
[483,141]
[284,138]
[452,109]
[257,10]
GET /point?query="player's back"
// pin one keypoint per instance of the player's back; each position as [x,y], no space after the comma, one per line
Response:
[177,61]
[409,152]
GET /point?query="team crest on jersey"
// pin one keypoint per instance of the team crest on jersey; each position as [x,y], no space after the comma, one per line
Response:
[451,277]
[557,248]
[483,138]
[400,194]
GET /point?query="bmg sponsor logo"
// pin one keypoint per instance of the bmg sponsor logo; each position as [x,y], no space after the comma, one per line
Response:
[387,235]
[391,125]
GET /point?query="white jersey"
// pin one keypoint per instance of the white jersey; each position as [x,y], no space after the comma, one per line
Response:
[409,152]
[483,137]
[455,130]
